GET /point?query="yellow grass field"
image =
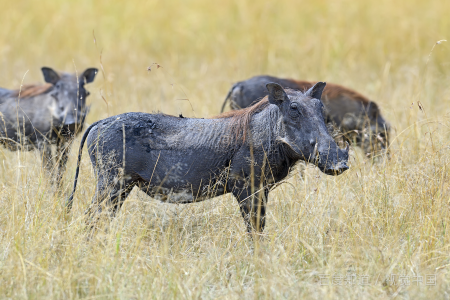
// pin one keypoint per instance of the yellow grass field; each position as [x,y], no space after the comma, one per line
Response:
[326,237]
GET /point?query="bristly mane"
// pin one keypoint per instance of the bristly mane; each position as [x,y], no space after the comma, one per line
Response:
[240,119]
[32,90]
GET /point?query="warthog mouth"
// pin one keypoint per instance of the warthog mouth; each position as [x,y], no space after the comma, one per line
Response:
[337,170]
[330,168]
[70,129]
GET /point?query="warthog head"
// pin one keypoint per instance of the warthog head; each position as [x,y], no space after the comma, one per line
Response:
[69,109]
[372,129]
[305,132]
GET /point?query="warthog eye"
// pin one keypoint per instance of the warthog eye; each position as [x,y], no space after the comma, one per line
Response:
[294,111]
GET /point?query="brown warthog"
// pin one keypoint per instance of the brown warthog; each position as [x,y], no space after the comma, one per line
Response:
[183,160]
[358,118]
[37,116]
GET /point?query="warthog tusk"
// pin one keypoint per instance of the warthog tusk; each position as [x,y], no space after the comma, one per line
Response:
[314,156]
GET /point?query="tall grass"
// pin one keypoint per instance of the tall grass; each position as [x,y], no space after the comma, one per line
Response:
[375,220]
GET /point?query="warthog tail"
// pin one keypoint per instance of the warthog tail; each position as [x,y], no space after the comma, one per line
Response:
[227,97]
[80,152]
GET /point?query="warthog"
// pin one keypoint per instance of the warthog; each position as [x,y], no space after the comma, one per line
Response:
[184,160]
[37,116]
[357,118]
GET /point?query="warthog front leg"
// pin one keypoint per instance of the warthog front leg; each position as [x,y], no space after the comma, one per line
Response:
[62,155]
[47,159]
[253,208]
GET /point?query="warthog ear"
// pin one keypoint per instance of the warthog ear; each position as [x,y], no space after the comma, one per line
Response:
[50,75]
[89,75]
[316,90]
[276,93]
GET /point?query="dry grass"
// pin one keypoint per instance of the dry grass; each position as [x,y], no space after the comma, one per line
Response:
[375,220]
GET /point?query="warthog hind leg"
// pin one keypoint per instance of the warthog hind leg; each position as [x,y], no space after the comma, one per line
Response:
[109,197]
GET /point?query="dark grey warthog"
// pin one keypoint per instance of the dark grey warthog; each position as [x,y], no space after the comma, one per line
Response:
[358,118]
[40,115]
[183,160]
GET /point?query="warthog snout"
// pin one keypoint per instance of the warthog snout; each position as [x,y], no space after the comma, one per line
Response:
[73,121]
[333,161]
[72,125]
[68,119]
[337,169]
